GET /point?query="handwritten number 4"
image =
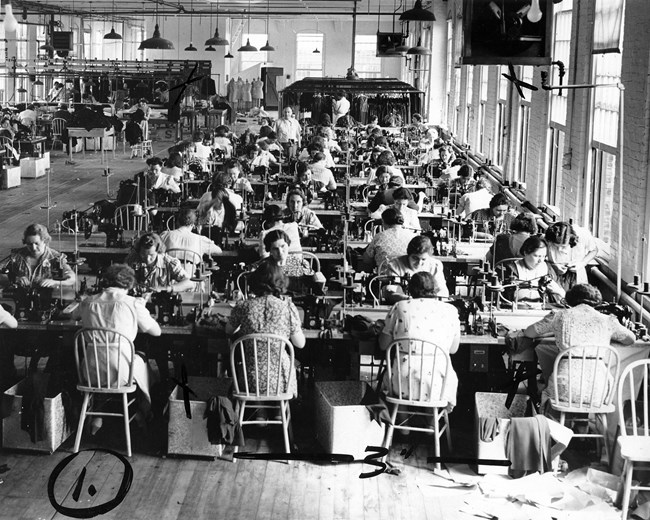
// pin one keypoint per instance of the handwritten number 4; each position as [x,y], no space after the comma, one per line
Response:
[370,459]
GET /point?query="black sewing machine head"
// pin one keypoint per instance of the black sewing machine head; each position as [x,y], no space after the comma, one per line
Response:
[622,312]
[165,198]
[114,234]
[168,308]
[467,310]
[32,303]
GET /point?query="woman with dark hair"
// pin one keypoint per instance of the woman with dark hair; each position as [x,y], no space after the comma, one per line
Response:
[299,213]
[273,219]
[303,181]
[412,318]
[35,264]
[418,258]
[392,242]
[114,309]
[495,219]
[216,210]
[580,324]
[270,312]
[532,268]
[508,245]
[277,246]
[156,270]
[174,166]
[570,249]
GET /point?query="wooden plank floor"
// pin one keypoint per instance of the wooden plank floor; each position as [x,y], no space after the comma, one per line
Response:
[175,488]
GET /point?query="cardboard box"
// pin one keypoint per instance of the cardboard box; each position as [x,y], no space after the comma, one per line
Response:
[342,424]
[34,167]
[494,405]
[190,436]
[10,177]
[56,431]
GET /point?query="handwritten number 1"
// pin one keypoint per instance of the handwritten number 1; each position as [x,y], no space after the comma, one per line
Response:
[370,459]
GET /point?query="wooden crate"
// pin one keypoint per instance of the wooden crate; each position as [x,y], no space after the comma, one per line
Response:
[55,429]
[344,426]
[10,177]
[190,436]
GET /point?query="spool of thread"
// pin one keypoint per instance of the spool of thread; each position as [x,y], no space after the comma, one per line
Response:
[494,280]
[486,266]
[646,287]
[637,279]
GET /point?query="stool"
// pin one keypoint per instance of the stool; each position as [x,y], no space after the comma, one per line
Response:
[142,149]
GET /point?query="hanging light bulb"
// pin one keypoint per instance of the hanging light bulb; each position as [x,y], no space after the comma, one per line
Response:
[534,14]
[11,24]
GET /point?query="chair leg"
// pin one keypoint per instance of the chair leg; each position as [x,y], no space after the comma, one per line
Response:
[82,418]
[436,439]
[627,483]
[242,407]
[285,428]
[603,420]
[448,432]
[388,437]
[127,429]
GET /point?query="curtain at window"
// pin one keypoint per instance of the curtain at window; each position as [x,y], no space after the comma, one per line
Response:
[608,26]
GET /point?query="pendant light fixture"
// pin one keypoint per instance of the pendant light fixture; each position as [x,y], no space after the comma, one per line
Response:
[267,47]
[419,50]
[228,56]
[248,47]
[216,39]
[418,14]
[191,47]
[156,41]
[113,35]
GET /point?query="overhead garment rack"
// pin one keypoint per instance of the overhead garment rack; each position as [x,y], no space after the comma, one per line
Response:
[368,97]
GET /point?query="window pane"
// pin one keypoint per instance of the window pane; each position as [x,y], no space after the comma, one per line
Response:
[366,62]
[503,82]
[309,64]
[248,59]
[484,82]
[607,69]
[561,52]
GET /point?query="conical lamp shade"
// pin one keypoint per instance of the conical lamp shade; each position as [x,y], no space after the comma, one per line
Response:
[37,82]
[46,47]
[315,51]
[402,48]
[210,49]
[248,47]
[112,35]
[216,39]
[22,90]
[156,42]
[228,56]
[190,47]
[417,14]
[267,47]
[419,50]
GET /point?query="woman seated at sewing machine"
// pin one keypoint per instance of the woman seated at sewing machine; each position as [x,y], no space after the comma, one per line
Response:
[154,269]
[530,274]
[317,144]
[174,166]
[263,157]
[215,210]
[36,264]
[272,219]
[157,180]
[303,181]
[297,211]
[508,245]
[221,140]
[418,258]
[322,177]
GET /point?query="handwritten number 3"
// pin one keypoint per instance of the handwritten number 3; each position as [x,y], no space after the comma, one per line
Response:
[370,459]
